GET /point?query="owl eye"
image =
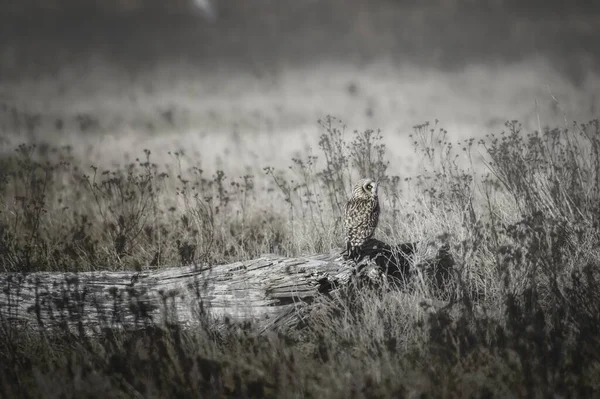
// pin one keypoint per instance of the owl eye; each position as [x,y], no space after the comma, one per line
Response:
[369,187]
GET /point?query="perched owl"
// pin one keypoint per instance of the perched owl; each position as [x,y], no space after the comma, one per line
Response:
[361,217]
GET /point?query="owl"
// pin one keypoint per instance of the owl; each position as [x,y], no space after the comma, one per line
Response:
[361,216]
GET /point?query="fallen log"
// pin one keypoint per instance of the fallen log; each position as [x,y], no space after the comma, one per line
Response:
[269,291]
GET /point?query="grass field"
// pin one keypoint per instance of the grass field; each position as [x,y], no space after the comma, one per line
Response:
[104,169]
[524,231]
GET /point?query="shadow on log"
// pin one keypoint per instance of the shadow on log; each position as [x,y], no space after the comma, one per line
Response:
[400,262]
[268,291]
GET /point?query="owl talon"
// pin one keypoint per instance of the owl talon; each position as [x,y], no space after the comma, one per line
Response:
[352,254]
[346,255]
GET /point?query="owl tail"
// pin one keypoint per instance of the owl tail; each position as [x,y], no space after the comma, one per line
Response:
[348,251]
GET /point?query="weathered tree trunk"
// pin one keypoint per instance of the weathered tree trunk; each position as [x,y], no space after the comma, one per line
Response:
[268,291]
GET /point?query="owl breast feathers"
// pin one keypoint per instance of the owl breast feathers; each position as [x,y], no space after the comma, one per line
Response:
[362,214]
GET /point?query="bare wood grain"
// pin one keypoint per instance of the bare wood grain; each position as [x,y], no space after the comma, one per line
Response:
[255,290]
[268,291]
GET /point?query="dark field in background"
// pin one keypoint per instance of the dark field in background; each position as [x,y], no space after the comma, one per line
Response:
[36,36]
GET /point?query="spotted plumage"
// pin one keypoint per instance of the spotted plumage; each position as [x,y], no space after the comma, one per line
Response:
[361,216]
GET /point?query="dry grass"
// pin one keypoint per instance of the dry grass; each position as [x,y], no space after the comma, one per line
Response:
[202,147]
[522,225]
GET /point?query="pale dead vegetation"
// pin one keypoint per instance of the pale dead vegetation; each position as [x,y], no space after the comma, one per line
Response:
[230,173]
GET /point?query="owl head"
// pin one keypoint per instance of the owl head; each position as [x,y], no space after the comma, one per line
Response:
[365,188]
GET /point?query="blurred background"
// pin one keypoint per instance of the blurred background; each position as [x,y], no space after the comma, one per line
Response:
[42,35]
[210,74]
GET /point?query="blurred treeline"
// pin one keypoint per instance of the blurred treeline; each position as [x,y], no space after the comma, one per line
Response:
[441,33]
